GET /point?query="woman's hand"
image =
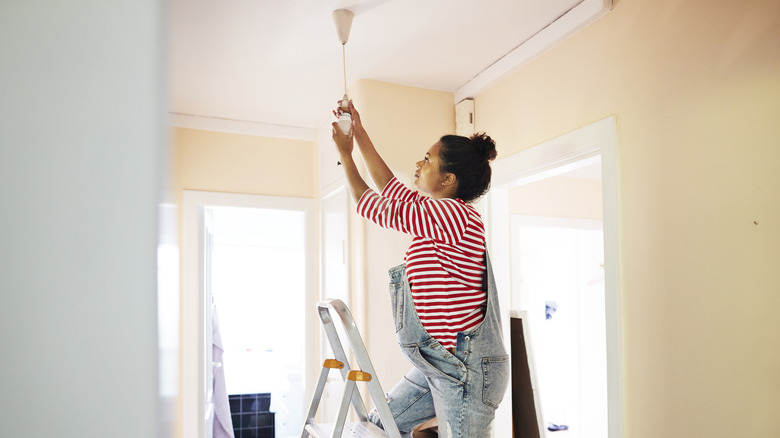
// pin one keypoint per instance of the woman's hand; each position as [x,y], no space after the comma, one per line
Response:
[344,143]
[356,123]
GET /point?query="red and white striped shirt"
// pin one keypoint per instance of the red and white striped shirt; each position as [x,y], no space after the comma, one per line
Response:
[445,264]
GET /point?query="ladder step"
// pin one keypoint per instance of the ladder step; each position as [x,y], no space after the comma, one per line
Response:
[362,429]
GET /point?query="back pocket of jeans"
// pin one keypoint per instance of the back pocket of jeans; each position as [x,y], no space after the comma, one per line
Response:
[397,303]
[495,372]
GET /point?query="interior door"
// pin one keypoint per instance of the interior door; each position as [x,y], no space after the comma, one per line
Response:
[208,340]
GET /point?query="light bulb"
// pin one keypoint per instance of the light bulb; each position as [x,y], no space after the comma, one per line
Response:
[345,118]
[345,123]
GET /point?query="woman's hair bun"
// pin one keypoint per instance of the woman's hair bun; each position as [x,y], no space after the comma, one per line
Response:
[468,158]
[484,145]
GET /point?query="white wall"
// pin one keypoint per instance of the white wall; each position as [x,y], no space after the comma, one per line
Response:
[82,151]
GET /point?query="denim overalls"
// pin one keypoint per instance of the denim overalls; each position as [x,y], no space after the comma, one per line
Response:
[463,390]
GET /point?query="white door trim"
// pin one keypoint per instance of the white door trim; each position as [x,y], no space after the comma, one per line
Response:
[575,149]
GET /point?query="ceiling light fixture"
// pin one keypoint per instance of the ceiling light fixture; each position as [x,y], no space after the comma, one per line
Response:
[343,21]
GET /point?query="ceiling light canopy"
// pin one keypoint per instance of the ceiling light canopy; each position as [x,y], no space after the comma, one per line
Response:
[343,20]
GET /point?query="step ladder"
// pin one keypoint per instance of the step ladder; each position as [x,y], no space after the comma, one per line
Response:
[365,373]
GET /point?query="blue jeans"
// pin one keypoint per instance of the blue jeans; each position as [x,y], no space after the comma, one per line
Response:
[461,390]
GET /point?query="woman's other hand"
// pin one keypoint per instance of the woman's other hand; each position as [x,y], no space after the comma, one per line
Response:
[356,122]
[344,143]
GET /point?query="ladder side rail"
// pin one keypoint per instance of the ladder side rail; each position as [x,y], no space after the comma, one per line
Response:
[341,417]
[363,360]
[341,355]
[315,401]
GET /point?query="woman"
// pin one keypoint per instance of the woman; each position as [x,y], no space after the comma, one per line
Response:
[444,301]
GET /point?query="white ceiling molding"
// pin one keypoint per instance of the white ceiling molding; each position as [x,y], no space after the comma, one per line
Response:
[573,21]
[241,127]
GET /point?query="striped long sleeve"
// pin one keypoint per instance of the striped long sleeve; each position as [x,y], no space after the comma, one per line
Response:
[445,262]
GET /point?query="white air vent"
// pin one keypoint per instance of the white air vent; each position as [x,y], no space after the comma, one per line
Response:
[464,117]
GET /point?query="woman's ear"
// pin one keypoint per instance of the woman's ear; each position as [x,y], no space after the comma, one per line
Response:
[449,179]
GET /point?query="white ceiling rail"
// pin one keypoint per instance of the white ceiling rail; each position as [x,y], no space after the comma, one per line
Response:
[576,19]
[241,127]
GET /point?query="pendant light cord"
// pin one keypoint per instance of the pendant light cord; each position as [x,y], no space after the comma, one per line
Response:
[344,58]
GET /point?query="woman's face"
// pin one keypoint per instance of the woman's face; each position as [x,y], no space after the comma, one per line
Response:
[428,178]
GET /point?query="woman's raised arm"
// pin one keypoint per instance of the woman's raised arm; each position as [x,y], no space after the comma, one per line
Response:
[377,168]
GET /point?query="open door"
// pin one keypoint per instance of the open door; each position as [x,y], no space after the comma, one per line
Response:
[208,312]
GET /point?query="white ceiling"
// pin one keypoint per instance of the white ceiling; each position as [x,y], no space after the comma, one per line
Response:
[278,63]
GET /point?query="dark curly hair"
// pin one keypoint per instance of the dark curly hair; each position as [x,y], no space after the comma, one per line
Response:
[468,158]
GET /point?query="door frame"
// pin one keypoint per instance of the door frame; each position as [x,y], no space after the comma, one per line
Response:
[578,148]
[192,325]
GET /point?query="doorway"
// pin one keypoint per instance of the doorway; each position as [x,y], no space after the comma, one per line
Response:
[558,292]
[251,260]
[258,272]
[582,151]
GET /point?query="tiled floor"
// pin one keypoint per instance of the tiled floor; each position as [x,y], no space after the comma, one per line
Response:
[250,415]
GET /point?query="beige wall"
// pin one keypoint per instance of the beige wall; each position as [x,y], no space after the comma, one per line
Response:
[237,163]
[695,87]
[575,198]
